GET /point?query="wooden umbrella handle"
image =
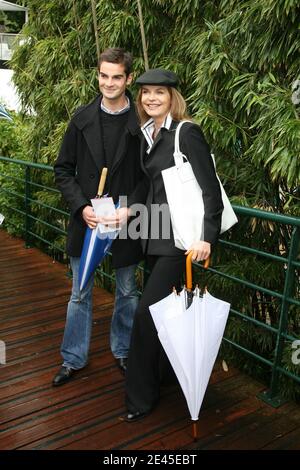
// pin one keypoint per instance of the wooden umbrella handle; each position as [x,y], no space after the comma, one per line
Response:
[102,182]
[189,276]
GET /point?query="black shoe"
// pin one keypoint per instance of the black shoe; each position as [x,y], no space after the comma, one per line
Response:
[122,364]
[63,376]
[132,417]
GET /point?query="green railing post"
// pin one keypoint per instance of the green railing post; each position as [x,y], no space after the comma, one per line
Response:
[272,396]
[27,207]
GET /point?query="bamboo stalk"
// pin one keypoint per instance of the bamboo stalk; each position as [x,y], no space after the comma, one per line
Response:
[77,35]
[95,28]
[144,43]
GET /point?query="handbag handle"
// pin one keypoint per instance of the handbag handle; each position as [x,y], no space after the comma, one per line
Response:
[188,267]
[179,157]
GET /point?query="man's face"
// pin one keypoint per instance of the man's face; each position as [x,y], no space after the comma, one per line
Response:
[112,80]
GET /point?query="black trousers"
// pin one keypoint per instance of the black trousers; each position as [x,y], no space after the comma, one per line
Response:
[142,376]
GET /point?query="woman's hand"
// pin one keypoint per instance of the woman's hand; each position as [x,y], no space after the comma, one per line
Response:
[120,218]
[200,250]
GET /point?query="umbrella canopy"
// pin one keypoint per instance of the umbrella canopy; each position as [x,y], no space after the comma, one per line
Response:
[4,114]
[95,246]
[191,338]
[97,241]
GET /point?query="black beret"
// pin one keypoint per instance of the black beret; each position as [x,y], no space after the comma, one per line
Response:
[158,77]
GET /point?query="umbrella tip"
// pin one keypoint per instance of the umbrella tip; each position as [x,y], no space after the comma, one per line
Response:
[195,431]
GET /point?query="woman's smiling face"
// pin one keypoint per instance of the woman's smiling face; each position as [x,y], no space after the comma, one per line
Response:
[156,101]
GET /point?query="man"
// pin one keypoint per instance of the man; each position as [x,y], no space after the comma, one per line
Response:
[105,133]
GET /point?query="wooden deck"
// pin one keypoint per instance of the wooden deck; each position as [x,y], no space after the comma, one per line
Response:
[84,414]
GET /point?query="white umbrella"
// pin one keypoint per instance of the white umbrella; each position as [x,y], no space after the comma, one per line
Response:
[191,338]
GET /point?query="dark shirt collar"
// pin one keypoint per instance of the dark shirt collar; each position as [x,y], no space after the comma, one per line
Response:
[116,113]
[86,115]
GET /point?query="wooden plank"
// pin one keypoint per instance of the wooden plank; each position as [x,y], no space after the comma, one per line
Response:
[87,436]
[42,378]
[35,322]
[284,441]
[85,413]
[171,414]
[208,424]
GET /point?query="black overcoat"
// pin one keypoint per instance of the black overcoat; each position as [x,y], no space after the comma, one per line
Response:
[78,168]
[151,189]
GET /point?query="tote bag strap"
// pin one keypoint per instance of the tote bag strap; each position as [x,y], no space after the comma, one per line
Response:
[179,157]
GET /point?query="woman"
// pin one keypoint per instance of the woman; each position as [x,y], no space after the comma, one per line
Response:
[161,107]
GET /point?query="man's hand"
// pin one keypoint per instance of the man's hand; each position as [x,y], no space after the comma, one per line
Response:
[201,250]
[89,217]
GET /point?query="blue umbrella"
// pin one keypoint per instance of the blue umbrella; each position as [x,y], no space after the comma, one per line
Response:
[96,244]
[4,114]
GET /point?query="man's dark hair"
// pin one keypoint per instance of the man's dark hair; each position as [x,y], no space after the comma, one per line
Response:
[117,55]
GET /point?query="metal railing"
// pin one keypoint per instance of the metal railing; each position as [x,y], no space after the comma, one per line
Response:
[289,296]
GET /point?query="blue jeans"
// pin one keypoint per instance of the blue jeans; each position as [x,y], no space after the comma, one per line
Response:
[77,335]
[126,302]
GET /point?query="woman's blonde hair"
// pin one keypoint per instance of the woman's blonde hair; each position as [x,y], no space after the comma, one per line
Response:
[178,106]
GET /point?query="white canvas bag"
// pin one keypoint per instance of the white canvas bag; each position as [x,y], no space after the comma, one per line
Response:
[185,200]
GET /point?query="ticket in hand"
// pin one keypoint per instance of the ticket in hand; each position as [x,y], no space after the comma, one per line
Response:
[104,207]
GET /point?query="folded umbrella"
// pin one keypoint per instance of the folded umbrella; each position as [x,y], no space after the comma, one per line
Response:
[4,114]
[96,242]
[191,337]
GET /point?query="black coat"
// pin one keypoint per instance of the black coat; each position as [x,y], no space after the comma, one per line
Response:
[78,168]
[151,189]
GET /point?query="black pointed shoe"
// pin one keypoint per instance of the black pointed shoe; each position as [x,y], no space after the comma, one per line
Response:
[63,376]
[122,364]
[133,417]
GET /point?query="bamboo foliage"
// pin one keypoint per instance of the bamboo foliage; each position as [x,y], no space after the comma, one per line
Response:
[237,61]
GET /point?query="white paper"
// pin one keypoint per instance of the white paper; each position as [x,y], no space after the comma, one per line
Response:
[104,207]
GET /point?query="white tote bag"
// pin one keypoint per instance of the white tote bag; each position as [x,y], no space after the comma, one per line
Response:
[185,200]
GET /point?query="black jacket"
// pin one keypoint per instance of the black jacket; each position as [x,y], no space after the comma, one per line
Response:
[151,189]
[78,168]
